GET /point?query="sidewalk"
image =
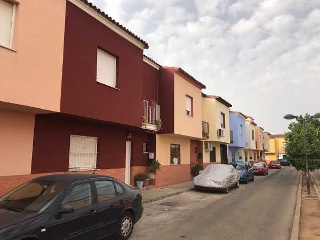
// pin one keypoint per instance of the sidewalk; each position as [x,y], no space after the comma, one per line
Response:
[315,178]
[155,194]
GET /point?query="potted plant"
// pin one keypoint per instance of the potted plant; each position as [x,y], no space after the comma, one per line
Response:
[139,178]
[154,166]
[146,180]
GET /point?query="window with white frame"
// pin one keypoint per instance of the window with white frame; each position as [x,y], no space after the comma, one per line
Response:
[7,15]
[189,108]
[83,152]
[106,68]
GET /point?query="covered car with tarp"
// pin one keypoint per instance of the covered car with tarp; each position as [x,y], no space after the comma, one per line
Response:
[217,177]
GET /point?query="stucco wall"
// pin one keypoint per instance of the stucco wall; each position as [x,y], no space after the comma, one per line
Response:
[183,124]
[30,74]
[211,114]
[82,95]
[16,141]
[163,142]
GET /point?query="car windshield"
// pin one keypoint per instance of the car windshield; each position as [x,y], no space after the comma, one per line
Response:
[33,196]
[258,164]
[240,166]
[275,162]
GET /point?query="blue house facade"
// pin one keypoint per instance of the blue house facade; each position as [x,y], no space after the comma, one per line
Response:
[237,136]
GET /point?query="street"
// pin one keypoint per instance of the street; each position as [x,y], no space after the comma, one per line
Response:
[262,209]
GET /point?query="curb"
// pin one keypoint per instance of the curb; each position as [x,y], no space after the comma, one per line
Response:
[296,218]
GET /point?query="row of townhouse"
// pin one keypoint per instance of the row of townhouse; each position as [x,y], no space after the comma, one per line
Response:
[77,94]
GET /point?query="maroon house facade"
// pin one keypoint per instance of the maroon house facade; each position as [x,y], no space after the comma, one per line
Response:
[107,86]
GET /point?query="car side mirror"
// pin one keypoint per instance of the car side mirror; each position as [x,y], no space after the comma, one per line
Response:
[65,209]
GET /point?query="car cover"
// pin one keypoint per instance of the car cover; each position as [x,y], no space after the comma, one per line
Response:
[217,176]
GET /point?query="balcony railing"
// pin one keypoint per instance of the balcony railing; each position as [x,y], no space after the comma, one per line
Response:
[205,129]
[151,115]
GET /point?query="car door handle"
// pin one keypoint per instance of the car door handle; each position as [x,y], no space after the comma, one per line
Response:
[92,212]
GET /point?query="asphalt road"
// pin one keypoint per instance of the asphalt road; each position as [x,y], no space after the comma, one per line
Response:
[261,210]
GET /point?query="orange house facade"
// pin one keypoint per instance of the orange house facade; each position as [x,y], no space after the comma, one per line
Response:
[178,143]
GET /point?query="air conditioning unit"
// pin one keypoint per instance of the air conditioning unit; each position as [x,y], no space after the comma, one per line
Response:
[207,146]
[220,132]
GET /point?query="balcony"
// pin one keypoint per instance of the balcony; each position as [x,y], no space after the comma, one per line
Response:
[151,115]
[205,130]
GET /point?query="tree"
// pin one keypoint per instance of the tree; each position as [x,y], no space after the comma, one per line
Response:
[295,143]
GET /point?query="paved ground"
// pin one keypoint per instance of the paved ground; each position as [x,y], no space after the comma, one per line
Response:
[152,195]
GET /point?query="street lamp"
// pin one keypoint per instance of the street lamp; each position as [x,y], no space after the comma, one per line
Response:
[290,117]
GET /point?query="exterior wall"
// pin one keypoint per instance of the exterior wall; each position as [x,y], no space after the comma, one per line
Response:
[150,82]
[166,100]
[206,154]
[239,140]
[163,142]
[259,138]
[52,141]
[250,143]
[211,114]
[16,140]
[277,150]
[185,125]
[31,73]
[9,182]
[81,94]
[171,173]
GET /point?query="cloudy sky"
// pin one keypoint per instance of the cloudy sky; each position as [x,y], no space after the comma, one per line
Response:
[262,56]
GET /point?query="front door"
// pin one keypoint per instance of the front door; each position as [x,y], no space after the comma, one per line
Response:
[213,155]
[128,162]
[224,153]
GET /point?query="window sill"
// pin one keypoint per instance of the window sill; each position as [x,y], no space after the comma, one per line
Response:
[83,169]
[7,48]
[115,88]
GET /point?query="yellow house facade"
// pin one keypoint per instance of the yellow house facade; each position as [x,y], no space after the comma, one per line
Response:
[277,147]
[216,115]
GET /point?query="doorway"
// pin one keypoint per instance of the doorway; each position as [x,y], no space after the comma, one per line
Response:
[128,163]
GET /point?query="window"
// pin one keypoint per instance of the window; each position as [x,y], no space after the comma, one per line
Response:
[223,120]
[252,134]
[241,129]
[233,156]
[83,152]
[106,68]
[175,153]
[7,14]
[189,107]
[79,197]
[119,189]
[105,190]
[231,136]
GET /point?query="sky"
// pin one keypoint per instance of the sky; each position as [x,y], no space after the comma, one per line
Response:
[262,56]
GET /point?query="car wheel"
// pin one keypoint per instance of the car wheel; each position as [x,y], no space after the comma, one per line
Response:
[247,180]
[125,226]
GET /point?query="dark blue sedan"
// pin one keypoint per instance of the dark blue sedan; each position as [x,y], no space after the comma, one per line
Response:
[246,171]
[70,206]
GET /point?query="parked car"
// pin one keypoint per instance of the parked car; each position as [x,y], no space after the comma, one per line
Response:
[285,162]
[70,206]
[219,177]
[246,171]
[260,168]
[275,164]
